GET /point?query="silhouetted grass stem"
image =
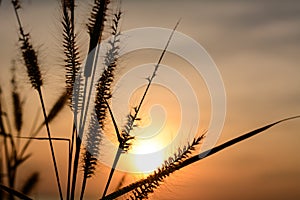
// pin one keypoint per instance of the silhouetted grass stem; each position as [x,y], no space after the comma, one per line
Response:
[164,173]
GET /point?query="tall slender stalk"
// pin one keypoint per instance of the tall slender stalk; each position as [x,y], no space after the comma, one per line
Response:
[92,134]
[31,62]
[133,117]
[70,160]
[153,181]
[54,111]
[123,144]
[103,92]
[50,142]
[95,28]
[91,151]
[72,64]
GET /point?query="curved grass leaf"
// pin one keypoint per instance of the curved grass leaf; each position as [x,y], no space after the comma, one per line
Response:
[193,159]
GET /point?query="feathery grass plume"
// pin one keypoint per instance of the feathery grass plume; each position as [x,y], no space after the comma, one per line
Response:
[89,167]
[17,104]
[31,62]
[95,29]
[125,136]
[103,87]
[91,151]
[69,4]
[104,83]
[30,183]
[28,53]
[77,97]
[72,63]
[142,188]
[153,180]
[72,67]
[131,119]
[93,138]
[96,22]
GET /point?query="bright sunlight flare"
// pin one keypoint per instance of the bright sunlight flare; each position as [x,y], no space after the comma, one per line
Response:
[149,155]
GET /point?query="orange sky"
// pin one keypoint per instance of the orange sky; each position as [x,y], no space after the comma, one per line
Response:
[255,45]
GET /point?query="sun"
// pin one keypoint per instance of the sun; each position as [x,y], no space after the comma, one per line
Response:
[148,156]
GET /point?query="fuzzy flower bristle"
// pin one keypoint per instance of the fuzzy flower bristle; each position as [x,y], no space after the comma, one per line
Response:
[17,104]
[28,53]
[130,118]
[103,93]
[95,30]
[72,63]
[31,62]
[17,110]
[91,151]
[16,4]
[93,140]
[130,124]
[90,163]
[96,22]
[33,71]
[153,181]
[69,4]
[141,189]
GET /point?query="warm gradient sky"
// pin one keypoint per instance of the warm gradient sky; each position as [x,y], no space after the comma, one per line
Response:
[255,45]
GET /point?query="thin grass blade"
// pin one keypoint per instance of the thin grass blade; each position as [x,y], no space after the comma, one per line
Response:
[162,174]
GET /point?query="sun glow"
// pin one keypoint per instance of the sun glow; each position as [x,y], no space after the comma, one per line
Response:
[160,120]
[149,155]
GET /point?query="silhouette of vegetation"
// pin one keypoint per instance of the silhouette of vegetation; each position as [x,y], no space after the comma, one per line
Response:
[84,144]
